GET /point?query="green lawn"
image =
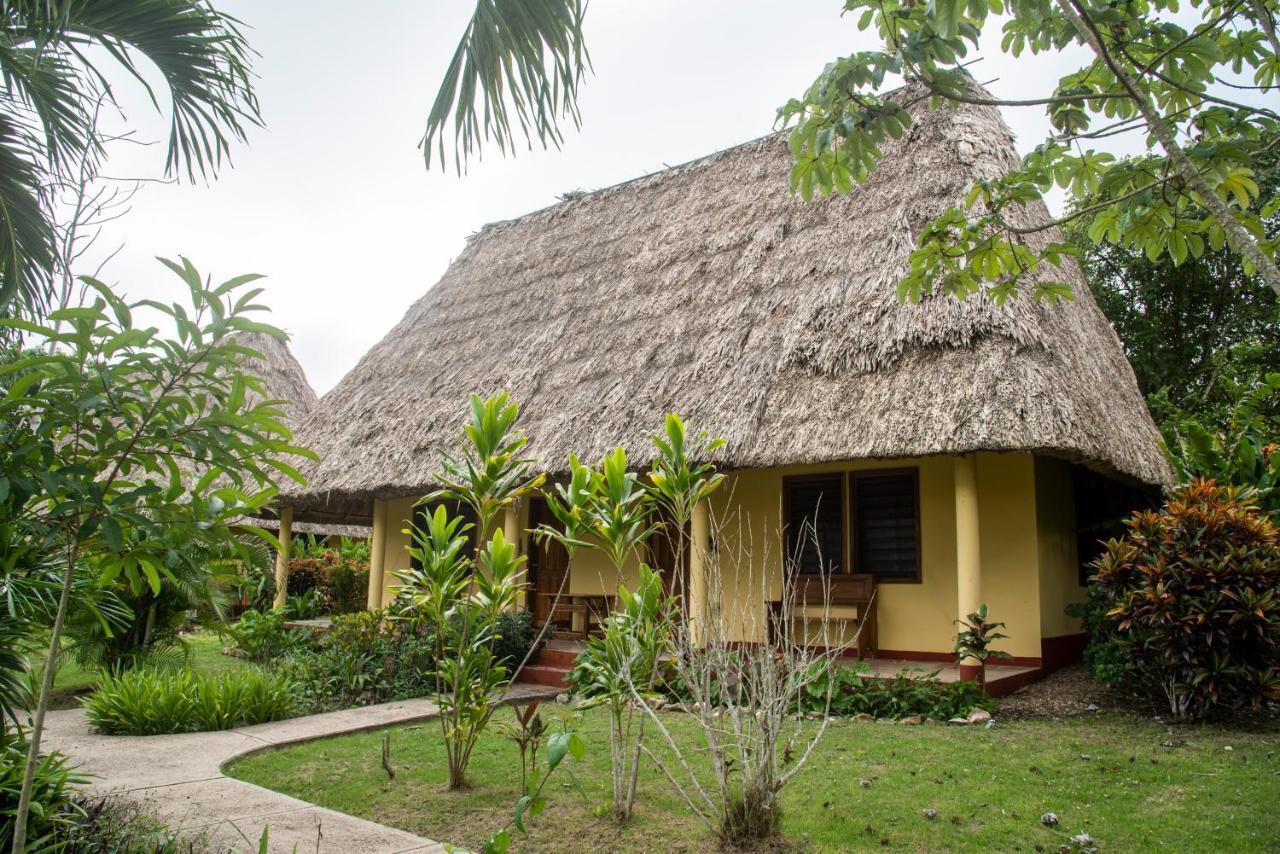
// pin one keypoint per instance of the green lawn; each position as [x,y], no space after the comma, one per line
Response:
[1131,784]
[72,680]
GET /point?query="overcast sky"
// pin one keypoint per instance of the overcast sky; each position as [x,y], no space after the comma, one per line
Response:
[331,200]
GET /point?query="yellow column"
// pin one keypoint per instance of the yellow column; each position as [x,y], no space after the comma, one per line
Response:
[377,554]
[282,556]
[511,533]
[968,552]
[700,536]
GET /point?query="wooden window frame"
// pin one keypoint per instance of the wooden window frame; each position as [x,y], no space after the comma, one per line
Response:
[787,482]
[851,524]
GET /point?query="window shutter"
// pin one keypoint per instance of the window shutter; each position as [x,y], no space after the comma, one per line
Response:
[815,524]
[886,525]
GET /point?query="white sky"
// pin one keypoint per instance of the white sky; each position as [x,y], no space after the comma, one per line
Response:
[331,200]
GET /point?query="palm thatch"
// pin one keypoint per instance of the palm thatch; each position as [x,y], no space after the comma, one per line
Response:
[281,374]
[284,380]
[709,289]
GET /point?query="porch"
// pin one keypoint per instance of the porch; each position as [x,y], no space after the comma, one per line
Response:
[554,661]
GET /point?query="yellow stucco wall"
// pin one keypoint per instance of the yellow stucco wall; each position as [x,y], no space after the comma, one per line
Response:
[1056,522]
[1027,541]
[399,516]
[916,617]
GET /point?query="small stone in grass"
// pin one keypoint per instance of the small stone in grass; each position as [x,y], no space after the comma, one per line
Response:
[958,721]
[866,784]
[977,716]
[930,813]
[1049,819]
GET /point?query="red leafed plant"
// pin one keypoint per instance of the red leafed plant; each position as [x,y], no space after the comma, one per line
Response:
[1193,601]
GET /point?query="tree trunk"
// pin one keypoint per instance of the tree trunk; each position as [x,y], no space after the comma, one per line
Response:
[42,706]
[1237,235]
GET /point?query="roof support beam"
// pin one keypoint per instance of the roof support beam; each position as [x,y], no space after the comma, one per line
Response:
[699,548]
[968,549]
[282,556]
[377,555]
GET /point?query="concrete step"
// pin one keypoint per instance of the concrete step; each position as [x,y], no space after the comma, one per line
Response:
[538,674]
[551,657]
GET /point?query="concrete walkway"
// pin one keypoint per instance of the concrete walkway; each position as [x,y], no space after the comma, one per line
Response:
[179,779]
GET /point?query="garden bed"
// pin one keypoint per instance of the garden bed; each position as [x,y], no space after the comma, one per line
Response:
[1131,784]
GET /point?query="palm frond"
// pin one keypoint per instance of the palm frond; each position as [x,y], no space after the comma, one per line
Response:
[204,59]
[26,238]
[521,58]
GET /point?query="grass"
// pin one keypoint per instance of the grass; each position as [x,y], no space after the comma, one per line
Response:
[1132,784]
[72,680]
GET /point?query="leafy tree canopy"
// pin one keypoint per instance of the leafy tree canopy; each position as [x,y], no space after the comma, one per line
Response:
[1201,335]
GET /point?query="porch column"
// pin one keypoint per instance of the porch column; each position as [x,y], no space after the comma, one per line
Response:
[282,556]
[377,554]
[511,533]
[968,553]
[700,536]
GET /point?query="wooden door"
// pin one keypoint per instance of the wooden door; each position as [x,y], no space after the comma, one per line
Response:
[663,556]
[548,564]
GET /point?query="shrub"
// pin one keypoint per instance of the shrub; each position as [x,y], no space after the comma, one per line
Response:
[157,702]
[307,606]
[305,574]
[110,825]
[365,658]
[53,809]
[346,585]
[262,635]
[515,636]
[910,692]
[339,578]
[1192,603]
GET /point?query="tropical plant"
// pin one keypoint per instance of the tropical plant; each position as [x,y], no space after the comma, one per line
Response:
[57,58]
[1242,454]
[620,668]
[54,789]
[910,693]
[117,434]
[161,701]
[364,658]
[305,606]
[194,589]
[526,731]
[973,641]
[1192,599]
[561,744]
[262,635]
[1153,78]
[462,596]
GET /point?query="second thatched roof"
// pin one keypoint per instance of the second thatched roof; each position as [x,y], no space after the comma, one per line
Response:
[709,289]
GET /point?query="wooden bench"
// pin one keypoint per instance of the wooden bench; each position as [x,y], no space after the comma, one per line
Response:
[851,599]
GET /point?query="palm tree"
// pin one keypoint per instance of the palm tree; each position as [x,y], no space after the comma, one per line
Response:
[57,58]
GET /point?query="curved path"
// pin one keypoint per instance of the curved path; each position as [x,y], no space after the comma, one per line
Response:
[179,779]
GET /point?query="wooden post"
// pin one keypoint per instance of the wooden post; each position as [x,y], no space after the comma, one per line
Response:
[968,550]
[377,555]
[700,537]
[282,556]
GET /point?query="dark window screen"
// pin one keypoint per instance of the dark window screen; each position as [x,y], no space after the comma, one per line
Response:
[815,524]
[886,528]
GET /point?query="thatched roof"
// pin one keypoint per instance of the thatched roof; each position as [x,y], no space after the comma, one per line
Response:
[285,380]
[711,290]
[281,374]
